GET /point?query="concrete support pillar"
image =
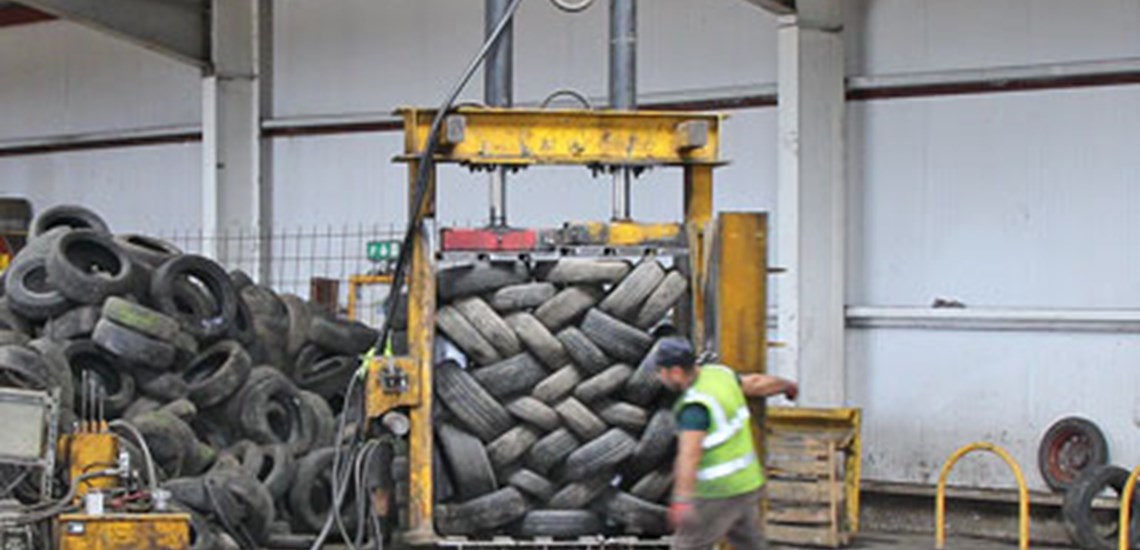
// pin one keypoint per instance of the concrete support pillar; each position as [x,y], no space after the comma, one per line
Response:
[234,199]
[811,202]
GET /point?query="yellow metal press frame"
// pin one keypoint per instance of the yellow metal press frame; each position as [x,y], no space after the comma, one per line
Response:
[1022,493]
[357,281]
[524,137]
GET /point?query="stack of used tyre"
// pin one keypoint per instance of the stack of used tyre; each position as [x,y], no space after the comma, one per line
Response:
[548,427]
[233,387]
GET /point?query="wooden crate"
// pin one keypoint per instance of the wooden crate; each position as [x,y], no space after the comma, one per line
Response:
[811,472]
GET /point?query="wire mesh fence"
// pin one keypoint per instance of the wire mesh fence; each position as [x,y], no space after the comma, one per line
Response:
[316,263]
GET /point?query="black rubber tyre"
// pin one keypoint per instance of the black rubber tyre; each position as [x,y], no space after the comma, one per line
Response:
[216,282]
[133,346]
[539,340]
[511,446]
[87,267]
[535,413]
[342,336]
[30,292]
[142,405]
[557,386]
[263,301]
[473,406]
[521,297]
[626,416]
[165,387]
[170,441]
[58,372]
[459,330]
[656,443]
[532,484]
[299,318]
[591,359]
[66,215]
[600,454]
[580,419]
[603,384]
[643,386]
[626,299]
[10,320]
[671,289]
[203,536]
[567,306]
[145,251]
[267,410]
[140,319]
[619,340]
[485,513]
[240,279]
[13,338]
[1070,447]
[572,271]
[488,323]
[550,451]
[22,367]
[328,377]
[217,373]
[318,424]
[1081,522]
[310,496]
[272,465]
[443,484]
[480,278]
[75,323]
[638,516]
[579,495]
[559,524]
[252,498]
[654,486]
[103,369]
[468,461]
[511,376]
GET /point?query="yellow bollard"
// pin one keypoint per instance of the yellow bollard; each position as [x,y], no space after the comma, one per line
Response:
[1022,494]
[1125,508]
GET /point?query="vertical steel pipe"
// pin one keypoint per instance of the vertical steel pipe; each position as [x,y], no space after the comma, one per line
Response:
[623,85]
[498,91]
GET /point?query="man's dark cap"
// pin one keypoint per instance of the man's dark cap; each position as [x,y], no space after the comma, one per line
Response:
[674,352]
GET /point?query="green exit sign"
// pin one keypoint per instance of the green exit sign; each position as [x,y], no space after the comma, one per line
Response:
[383,251]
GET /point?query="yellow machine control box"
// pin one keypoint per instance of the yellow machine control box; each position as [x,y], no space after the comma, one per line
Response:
[122,532]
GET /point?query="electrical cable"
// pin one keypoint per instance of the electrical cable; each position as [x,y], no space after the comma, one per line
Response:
[151,475]
[33,513]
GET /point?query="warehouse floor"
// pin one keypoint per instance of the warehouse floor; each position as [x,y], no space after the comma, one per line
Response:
[896,541]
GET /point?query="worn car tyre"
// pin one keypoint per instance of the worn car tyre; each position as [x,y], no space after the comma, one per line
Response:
[538,340]
[521,297]
[1070,447]
[599,454]
[637,515]
[328,377]
[485,513]
[87,267]
[549,451]
[310,498]
[299,318]
[213,278]
[573,271]
[626,416]
[342,336]
[10,320]
[578,495]
[217,373]
[473,406]
[589,357]
[567,306]
[580,419]
[656,443]
[318,423]
[140,319]
[13,338]
[133,346]
[459,330]
[511,446]
[511,376]
[468,461]
[671,289]
[603,384]
[267,409]
[146,251]
[654,486]
[624,301]
[78,322]
[66,215]
[488,324]
[103,369]
[559,524]
[535,412]
[532,484]
[272,465]
[479,278]
[165,386]
[1077,512]
[22,367]
[30,292]
[619,340]
[557,386]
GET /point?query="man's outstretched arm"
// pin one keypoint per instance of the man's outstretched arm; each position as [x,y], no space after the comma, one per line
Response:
[763,385]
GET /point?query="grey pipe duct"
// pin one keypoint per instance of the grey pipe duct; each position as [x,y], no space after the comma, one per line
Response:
[623,85]
[498,91]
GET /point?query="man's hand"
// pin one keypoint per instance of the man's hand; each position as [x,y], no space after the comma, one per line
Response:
[791,391]
[679,513]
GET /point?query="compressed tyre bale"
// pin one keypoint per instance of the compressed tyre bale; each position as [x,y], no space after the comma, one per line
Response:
[559,524]
[217,373]
[578,495]
[468,461]
[479,278]
[583,352]
[580,419]
[538,340]
[30,293]
[511,446]
[482,514]
[87,267]
[535,413]
[572,271]
[510,376]
[671,289]
[624,301]
[557,386]
[619,340]
[567,306]
[532,484]
[549,451]
[521,297]
[67,215]
[623,415]
[654,486]
[459,330]
[599,454]
[603,384]
[638,516]
[133,346]
[488,324]
[473,406]
[213,279]
[78,322]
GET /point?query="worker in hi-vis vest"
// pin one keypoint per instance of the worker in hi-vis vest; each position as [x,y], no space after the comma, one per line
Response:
[718,475]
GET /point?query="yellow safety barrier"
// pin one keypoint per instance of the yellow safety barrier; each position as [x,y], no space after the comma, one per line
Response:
[1022,494]
[1126,508]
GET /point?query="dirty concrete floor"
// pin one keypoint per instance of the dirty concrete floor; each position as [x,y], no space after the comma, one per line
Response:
[896,541]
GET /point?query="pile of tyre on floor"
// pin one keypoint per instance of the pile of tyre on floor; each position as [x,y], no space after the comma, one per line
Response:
[550,428]
[234,388]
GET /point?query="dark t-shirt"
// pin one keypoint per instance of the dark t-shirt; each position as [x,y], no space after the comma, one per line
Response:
[695,416]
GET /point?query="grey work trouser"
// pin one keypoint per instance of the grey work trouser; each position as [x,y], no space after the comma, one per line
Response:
[735,519]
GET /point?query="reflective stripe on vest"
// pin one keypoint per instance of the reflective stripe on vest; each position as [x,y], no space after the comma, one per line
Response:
[725,428]
[726,468]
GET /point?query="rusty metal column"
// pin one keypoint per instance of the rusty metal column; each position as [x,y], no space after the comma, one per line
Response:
[698,214]
[623,86]
[498,91]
